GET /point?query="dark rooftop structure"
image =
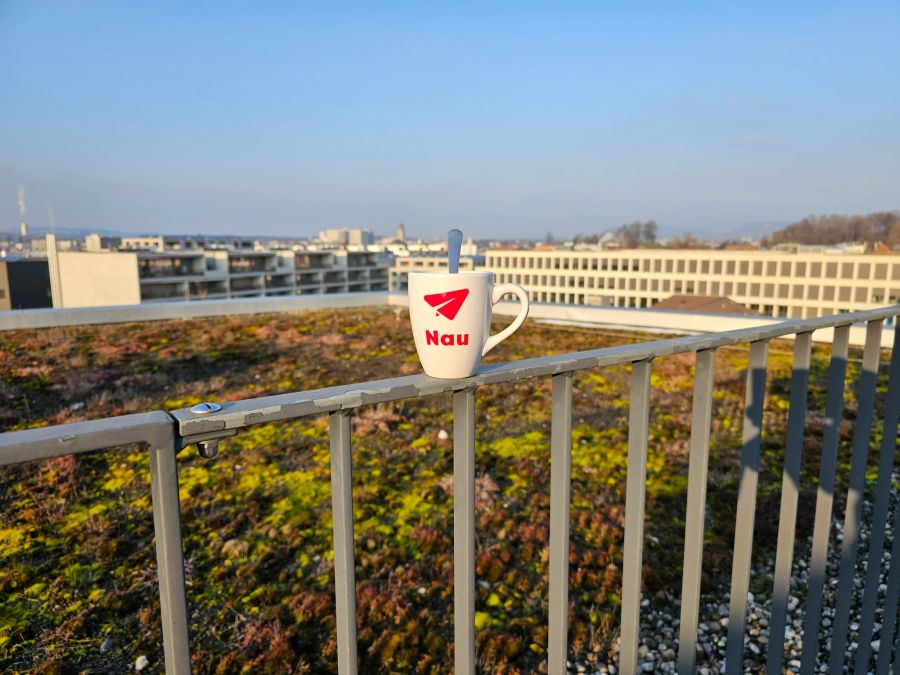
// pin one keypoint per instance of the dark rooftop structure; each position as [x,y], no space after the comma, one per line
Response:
[704,303]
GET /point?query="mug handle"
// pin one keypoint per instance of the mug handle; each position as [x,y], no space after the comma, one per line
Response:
[498,292]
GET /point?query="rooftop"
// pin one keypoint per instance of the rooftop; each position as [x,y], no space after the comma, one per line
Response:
[78,565]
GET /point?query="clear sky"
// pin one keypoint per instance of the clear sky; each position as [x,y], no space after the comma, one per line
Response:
[506,120]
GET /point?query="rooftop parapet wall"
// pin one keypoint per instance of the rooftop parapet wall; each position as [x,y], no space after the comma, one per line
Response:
[166,311]
[652,321]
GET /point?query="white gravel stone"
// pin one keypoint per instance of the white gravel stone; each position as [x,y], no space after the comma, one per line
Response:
[660,612]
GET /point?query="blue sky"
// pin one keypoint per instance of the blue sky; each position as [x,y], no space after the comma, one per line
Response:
[506,120]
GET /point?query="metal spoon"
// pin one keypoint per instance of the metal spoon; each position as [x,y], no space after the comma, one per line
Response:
[454,244]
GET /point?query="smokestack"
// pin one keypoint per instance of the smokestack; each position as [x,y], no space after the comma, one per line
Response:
[20,194]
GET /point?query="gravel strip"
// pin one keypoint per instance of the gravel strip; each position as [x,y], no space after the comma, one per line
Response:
[659,615]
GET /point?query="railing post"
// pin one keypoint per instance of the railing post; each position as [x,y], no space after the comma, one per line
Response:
[790,493]
[834,404]
[464,531]
[879,521]
[169,555]
[635,496]
[862,434]
[560,493]
[696,510]
[890,636]
[746,504]
[344,559]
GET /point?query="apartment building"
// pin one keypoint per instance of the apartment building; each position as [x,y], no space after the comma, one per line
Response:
[780,284]
[151,243]
[91,279]
[183,275]
[166,242]
[402,266]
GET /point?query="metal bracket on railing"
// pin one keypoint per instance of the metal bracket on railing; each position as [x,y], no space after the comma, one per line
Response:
[207,444]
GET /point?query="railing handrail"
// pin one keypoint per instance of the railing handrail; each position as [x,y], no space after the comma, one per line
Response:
[80,437]
[58,438]
[239,414]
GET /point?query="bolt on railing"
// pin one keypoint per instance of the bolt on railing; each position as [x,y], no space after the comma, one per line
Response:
[166,435]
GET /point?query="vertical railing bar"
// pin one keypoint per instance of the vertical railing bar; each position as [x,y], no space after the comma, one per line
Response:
[880,512]
[636,485]
[464,531]
[696,510]
[891,598]
[560,495]
[169,553]
[344,558]
[834,403]
[896,632]
[790,493]
[862,434]
[746,504]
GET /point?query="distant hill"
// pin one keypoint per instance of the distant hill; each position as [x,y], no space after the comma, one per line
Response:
[73,232]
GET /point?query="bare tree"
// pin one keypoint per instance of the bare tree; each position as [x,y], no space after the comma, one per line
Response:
[688,241]
[630,234]
[881,226]
[633,234]
[649,231]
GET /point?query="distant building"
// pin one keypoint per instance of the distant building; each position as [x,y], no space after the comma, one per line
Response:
[40,245]
[346,236]
[401,233]
[92,243]
[432,248]
[92,279]
[96,242]
[780,284]
[24,284]
[399,275]
[185,243]
[156,243]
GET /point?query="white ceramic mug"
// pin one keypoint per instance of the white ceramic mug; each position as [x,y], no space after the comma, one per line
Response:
[451,319]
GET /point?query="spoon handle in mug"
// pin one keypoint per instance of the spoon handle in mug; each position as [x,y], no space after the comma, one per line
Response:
[454,244]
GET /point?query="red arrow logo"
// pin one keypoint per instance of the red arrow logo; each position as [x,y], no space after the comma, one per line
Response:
[448,303]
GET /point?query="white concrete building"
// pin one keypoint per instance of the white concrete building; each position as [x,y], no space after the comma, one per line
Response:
[154,243]
[780,284]
[347,236]
[401,268]
[94,279]
[129,277]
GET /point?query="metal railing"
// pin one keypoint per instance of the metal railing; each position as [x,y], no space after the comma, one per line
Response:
[167,434]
